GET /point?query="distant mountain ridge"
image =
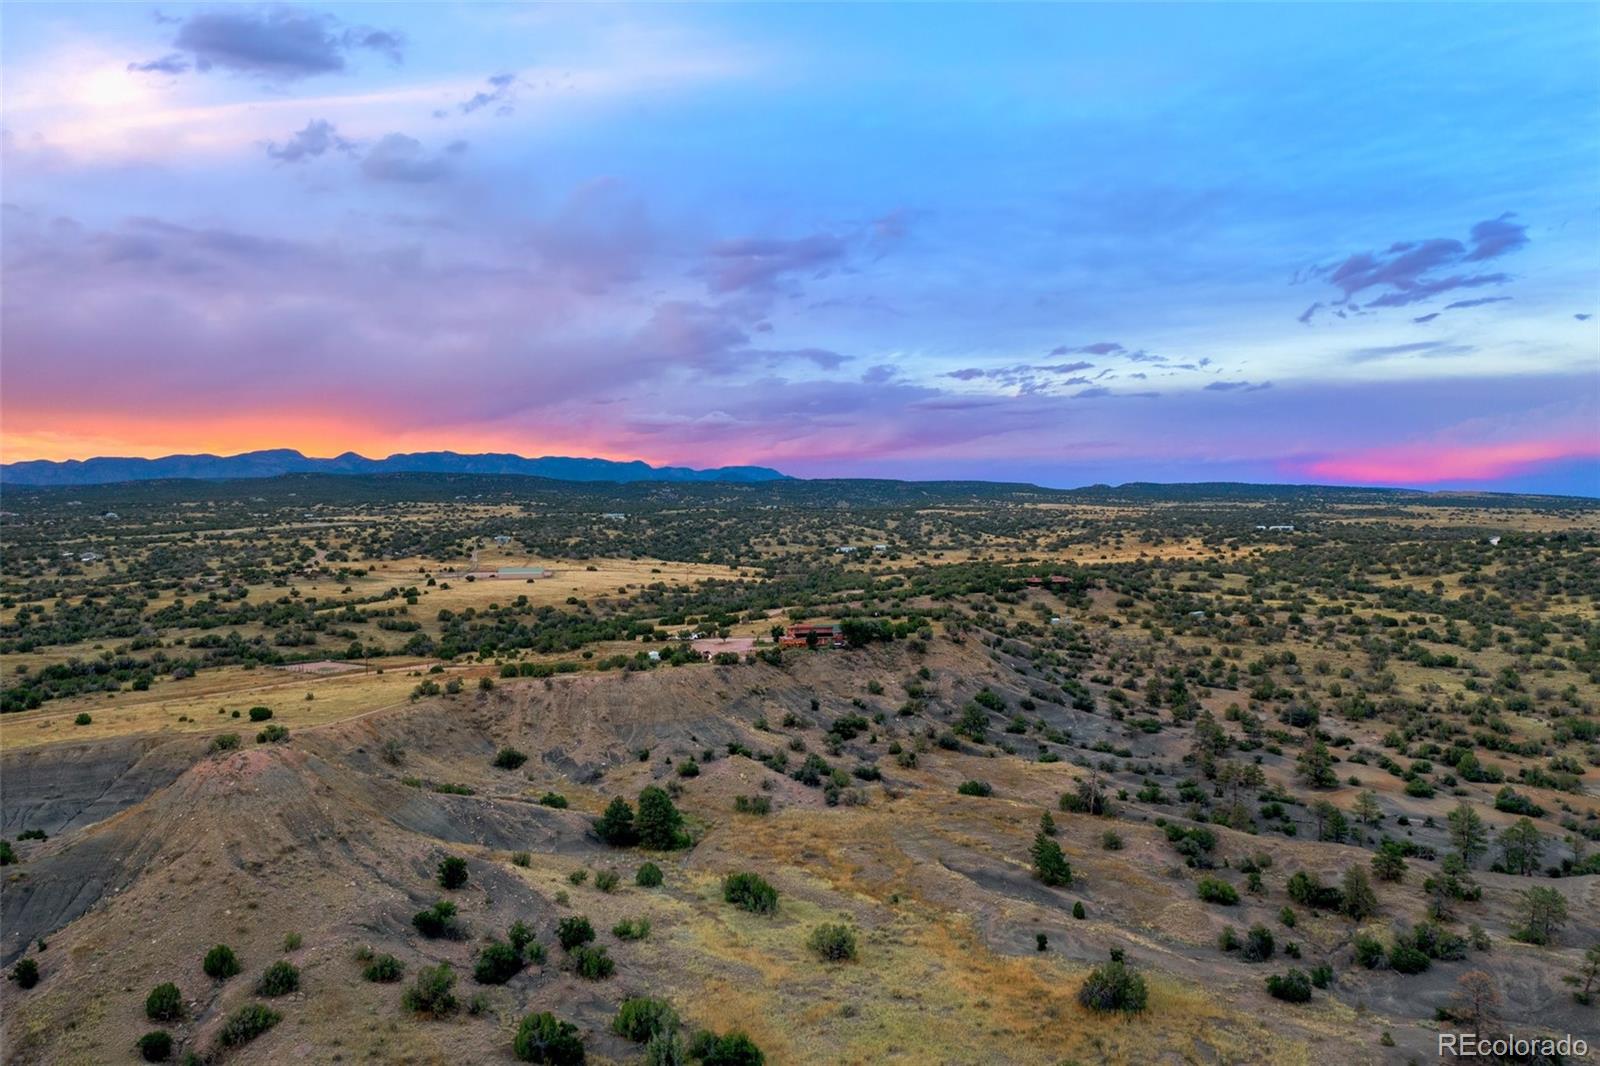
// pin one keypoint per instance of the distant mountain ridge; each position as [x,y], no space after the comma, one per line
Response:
[106,470]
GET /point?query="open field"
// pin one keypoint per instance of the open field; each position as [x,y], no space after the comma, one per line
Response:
[1199,703]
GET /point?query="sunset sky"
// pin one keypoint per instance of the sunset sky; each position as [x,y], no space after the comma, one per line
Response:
[1065,244]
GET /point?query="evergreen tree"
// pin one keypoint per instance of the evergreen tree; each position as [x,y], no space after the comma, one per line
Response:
[1359,899]
[1049,864]
[615,826]
[660,824]
[1315,766]
[1521,845]
[1468,835]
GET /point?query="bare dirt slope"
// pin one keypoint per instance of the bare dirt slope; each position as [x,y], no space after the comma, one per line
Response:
[335,834]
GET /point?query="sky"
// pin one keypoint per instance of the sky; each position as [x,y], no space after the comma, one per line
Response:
[1066,244]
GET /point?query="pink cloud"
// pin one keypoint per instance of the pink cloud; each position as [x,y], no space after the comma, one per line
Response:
[1432,462]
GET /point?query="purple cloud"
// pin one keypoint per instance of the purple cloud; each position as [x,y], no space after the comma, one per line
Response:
[1237,386]
[318,138]
[1098,348]
[276,42]
[1409,272]
[1479,302]
[758,263]
[398,158]
[167,64]
[499,92]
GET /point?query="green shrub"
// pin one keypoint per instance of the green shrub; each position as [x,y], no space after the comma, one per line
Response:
[281,978]
[247,1023]
[273,734]
[452,871]
[1215,890]
[750,892]
[635,929]
[649,876]
[1307,891]
[1292,987]
[730,1049]
[292,941]
[545,1038]
[497,963]
[385,969]
[164,1003]
[1322,975]
[83,718]
[606,880]
[1369,951]
[25,973]
[521,858]
[666,1049]
[574,930]
[432,993]
[1078,912]
[1113,987]
[641,1017]
[260,714]
[554,799]
[758,805]
[155,1046]
[509,759]
[520,935]
[437,921]
[1406,959]
[8,854]
[1258,944]
[833,943]
[593,963]
[975,788]
[220,962]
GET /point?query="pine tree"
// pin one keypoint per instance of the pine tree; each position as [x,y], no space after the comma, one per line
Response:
[660,824]
[1316,766]
[1366,810]
[615,826]
[1359,899]
[1049,864]
[1047,824]
[1468,835]
[1521,846]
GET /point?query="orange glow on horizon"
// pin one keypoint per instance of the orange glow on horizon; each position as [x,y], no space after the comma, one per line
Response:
[314,436]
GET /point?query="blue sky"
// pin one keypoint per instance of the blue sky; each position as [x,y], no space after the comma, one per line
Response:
[1063,243]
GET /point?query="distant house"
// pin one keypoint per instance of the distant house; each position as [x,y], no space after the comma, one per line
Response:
[89,557]
[845,549]
[880,548]
[502,538]
[1280,529]
[653,656]
[111,516]
[1035,582]
[614,515]
[1197,614]
[827,634]
[1494,542]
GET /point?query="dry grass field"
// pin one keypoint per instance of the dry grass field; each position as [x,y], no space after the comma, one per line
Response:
[1185,672]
